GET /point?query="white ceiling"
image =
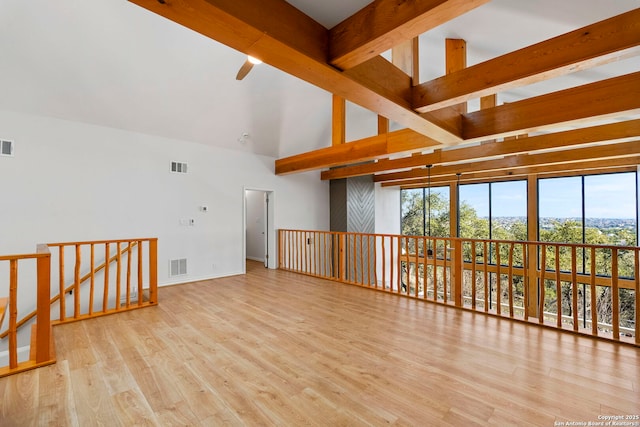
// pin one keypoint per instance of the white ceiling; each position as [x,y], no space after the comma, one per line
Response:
[112,63]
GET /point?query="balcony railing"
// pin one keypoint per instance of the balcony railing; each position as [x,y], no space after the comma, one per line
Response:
[585,289]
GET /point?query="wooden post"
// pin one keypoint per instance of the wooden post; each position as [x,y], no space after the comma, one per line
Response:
[338,122]
[153,271]
[457,268]
[532,255]
[43,328]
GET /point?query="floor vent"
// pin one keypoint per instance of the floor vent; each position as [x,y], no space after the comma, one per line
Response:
[6,147]
[178,167]
[177,267]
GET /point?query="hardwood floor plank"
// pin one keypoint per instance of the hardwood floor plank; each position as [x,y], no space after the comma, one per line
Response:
[276,348]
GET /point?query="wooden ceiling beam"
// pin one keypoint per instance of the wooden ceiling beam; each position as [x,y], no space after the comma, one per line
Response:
[606,151]
[605,98]
[338,120]
[575,137]
[623,164]
[284,37]
[371,148]
[384,24]
[587,47]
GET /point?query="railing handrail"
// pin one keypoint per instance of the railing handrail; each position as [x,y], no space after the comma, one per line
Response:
[98,242]
[19,257]
[469,239]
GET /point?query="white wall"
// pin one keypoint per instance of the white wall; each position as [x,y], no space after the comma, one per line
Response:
[387,210]
[72,181]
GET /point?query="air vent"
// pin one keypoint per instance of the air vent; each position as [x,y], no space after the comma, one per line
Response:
[178,167]
[177,267]
[6,147]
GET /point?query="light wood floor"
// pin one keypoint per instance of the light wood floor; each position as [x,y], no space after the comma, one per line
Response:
[276,348]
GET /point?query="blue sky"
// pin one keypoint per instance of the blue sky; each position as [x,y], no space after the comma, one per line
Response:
[606,196]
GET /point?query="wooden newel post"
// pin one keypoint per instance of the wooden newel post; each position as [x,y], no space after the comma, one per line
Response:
[153,271]
[43,326]
[457,268]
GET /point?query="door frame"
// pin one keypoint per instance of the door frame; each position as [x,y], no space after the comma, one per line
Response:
[271,246]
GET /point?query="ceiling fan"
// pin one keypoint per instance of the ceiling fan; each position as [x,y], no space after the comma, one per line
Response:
[247,66]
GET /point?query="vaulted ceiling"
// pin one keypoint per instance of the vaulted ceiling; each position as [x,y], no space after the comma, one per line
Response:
[565,74]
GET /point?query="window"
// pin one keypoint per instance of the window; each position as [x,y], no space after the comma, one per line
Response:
[596,209]
[421,218]
[495,210]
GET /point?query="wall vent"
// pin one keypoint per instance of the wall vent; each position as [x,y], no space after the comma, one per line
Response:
[6,147]
[177,267]
[178,167]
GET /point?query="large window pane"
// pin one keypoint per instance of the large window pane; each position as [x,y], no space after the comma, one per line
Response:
[474,211]
[610,209]
[560,209]
[437,214]
[412,214]
[421,218]
[509,210]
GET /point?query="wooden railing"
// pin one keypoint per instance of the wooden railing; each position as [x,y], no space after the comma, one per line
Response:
[586,289]
[115,282]
[40,351]
[110,288]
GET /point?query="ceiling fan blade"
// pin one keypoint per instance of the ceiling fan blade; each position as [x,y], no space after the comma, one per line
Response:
[244,70]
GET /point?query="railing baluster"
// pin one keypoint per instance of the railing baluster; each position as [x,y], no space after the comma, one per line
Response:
[510,278]
[558,289]
[375,261]
[92,284]
[615,294]
[525,279]
[543,269]
[118,275]
[434,258]
[392,254]
[13,313]
[594,304]
[383,249]
[485,272]
[140,263]
[399,288]
[105,291]
[498,281]
[417,272]
[444,271]
[128,291]
[76,289]
[636,275]
[574,288]
[63,297]
[425,268]
[473,275]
